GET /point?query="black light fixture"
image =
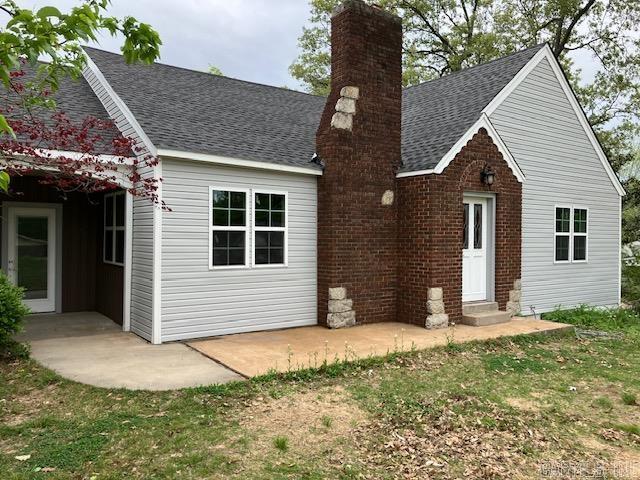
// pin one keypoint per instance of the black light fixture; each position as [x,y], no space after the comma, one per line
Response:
[488,176]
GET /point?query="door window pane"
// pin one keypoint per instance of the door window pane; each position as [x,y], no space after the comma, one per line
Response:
[465,227]
[32,256]
[477,226]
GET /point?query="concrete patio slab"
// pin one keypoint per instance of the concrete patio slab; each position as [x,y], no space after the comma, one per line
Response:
[89,348]
[257,353]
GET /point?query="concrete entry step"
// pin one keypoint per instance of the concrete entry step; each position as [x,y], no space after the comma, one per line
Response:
[469,308]
[482,319]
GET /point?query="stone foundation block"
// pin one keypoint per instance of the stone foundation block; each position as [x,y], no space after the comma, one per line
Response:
[513,308]
[340,306]
[341,320]
[434,294]
[338,293]
[435,306]
[439,320]
[515,296]
[517,284]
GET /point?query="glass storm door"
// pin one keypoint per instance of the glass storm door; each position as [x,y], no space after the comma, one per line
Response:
[31,258]
[474,250]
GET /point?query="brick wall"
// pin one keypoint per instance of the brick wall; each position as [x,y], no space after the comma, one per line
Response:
[431,224]
[357,235]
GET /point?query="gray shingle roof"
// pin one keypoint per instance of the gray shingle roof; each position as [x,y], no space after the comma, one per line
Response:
[76,99]
[198,112]
[436,114]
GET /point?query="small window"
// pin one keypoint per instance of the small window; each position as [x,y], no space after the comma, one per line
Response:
[270,229]
[114,228]
[228,228]
[477,226]
[571,234]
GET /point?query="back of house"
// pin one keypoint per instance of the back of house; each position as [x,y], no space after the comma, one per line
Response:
[471,198]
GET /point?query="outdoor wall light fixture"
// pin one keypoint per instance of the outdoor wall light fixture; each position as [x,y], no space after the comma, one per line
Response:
[488,176]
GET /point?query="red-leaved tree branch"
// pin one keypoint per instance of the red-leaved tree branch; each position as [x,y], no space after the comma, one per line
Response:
[86,156]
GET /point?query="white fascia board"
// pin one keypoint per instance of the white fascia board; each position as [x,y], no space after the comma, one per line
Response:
[546,52]
[235,162]
[483,122]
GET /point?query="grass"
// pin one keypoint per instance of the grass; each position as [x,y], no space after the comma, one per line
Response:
[496,409]
[629,399]
[281,443]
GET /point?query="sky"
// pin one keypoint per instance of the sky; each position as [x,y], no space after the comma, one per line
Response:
[254,40]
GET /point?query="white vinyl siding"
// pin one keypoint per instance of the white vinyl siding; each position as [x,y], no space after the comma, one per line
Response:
[541,130]
[198,301]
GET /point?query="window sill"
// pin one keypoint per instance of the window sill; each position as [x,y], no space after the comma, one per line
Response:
[230,267]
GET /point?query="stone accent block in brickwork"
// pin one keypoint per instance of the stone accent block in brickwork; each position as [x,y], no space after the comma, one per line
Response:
[340,309]
[439,320]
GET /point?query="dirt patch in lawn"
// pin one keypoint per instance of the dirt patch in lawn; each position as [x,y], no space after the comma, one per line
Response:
[313,423]
[24,407]
[624,462]
[523,404]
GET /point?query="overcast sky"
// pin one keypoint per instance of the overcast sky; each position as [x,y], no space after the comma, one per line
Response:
[253,40]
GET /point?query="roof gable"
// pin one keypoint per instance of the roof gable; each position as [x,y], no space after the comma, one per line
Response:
[436,114]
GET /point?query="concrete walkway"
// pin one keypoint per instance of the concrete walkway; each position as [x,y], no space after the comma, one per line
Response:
[282,350]
[89,348]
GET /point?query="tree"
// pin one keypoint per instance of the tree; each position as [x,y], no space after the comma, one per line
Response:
[213,70]
[90,155]
[30,35]
[443,36]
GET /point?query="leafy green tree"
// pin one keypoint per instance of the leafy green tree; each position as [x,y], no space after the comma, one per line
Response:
[49,34]
[443,36]
[213,70]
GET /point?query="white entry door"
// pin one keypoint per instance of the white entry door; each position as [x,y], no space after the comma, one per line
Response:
[474,250]
[31,261]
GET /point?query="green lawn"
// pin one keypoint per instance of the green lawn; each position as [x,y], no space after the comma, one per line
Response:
[490,410]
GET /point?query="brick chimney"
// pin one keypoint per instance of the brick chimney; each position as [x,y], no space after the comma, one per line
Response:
[359,143]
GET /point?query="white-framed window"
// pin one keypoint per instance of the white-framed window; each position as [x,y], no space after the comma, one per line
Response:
[571,234]
[247,228]
[229,227]
[269,228]
[114,227]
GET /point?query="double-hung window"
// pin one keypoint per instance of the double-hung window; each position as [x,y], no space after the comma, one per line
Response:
[571,232]
[229,228]
[269,230]
[248,228]
[114,227]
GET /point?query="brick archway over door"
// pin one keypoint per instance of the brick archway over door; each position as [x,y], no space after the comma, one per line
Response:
[430,229]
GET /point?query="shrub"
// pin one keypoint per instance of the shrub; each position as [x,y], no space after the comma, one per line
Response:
[12,311]
[629,399]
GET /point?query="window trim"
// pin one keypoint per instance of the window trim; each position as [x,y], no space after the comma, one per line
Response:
[113,228]
[245,229]
[571,233]
[284,229]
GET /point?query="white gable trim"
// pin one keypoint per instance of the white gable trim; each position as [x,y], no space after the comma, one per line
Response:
[546,52]
[119,104]
[235,162]
[483,122]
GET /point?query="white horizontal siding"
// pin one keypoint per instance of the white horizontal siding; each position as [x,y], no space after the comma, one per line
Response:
[142,250]
[541,130]
[199,302]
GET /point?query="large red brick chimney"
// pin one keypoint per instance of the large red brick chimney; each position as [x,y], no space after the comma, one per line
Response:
[359,143]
